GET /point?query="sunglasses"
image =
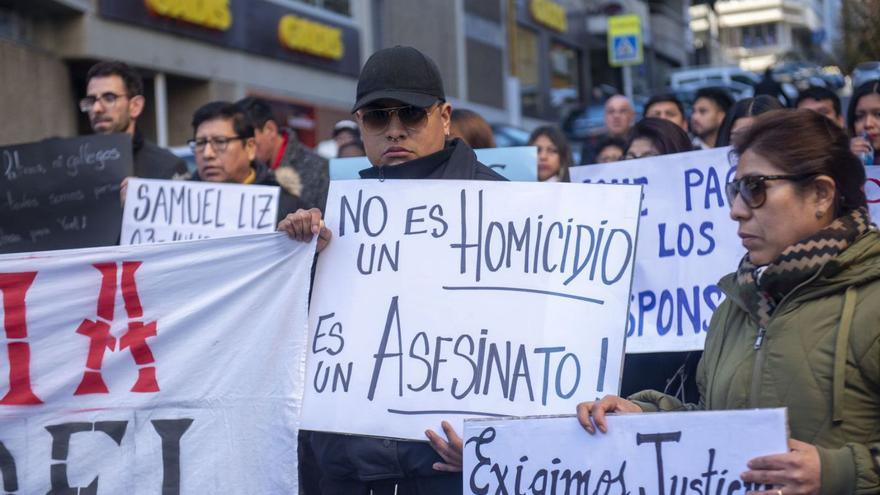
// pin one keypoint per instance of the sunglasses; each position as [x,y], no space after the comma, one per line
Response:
[411,117]
[753,189]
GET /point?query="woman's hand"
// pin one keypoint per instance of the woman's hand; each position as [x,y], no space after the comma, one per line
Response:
[450,451]
[598,409]
[797,472]
[859,145]
[303,224]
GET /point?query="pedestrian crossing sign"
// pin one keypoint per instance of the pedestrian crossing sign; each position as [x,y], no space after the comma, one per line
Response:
[624,40]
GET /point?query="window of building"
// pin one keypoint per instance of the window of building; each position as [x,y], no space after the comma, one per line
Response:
[528,71]
[338,6]
[564,77]
[759,35]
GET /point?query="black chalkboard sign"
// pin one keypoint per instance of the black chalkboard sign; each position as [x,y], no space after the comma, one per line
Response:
[62,193]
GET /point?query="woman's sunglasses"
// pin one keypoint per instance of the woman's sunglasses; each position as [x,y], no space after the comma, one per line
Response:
[753,189]
[411,117]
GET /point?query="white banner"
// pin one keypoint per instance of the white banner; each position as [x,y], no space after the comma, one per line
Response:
[687,243]
[653,453]
[173,210]
[164,368]
[872,191]
[448,299]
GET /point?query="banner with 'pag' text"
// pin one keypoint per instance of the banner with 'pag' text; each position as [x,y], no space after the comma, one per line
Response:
[688,243]
[166,368]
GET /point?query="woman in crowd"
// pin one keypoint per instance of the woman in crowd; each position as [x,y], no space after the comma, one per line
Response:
[554,154]
[472,129]
[610,149]
[668,371]
[799,325]
[653,137]
[863,122]
[742,115]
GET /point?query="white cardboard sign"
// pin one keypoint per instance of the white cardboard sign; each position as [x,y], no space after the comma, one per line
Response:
[687,243]
[652,453]
[872,191]
[448,299]
[171,210]
[160,368]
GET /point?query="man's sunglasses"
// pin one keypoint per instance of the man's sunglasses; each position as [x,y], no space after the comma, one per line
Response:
[753,189]
[377,120]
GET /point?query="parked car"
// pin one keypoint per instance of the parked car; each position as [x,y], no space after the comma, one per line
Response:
[699,77]
[507,135]
[865,72]
[187,155]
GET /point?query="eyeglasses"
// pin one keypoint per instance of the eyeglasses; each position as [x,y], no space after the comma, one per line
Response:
[218,143]
[106,99]
[413,118]
[753,188]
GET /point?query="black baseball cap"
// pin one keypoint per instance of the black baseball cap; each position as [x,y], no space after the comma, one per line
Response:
[399,73]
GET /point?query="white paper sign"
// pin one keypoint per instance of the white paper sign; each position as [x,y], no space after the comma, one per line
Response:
[872,191]
[162,368]
[653,453]
[448,299]
[172,210]
[687,243]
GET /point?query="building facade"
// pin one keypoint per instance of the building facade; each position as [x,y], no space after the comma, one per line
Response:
[755,34]
[302,55]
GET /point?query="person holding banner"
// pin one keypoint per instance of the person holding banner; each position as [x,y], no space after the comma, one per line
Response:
[799,326]
[654,137]
[404,119]
[225,150]
[741,116]
[554,154]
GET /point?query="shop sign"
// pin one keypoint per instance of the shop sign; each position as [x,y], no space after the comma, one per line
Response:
[211,14]
[550,14]
[310,37]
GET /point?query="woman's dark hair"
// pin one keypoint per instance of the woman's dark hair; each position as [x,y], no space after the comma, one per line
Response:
[472,129]
[555,135]
[667,137]
[870,87]
[747,107]
[609,141]
[805,142]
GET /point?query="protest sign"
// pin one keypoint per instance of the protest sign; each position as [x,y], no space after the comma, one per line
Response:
[445,299]
[126,377]
[668,453]
[166,210]
[62,193]
[516,163]
[872,191]
[687,243]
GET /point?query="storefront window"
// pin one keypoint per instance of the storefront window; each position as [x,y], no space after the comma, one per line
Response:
[564,78]
[528,71]
[338,6]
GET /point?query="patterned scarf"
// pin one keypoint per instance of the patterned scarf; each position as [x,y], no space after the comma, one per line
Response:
[763,287]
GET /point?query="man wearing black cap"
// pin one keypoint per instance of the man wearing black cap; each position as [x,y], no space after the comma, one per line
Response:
[404,121]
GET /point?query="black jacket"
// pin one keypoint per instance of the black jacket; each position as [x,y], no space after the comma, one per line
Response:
[287,202]
[456,161]
[153,162]
[361,458]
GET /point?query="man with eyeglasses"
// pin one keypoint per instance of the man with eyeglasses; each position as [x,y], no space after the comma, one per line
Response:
[404,121]
[225,150]
[114,100]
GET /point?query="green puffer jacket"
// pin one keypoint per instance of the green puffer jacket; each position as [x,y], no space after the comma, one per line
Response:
[820,358]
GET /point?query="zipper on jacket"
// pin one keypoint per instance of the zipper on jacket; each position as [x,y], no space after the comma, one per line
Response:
[759,340]
[762,332]
[382,174]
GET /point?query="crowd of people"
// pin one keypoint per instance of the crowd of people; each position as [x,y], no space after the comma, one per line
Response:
[799,327]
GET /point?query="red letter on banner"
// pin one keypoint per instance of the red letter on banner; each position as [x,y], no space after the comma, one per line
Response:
[135,339]
[14,287]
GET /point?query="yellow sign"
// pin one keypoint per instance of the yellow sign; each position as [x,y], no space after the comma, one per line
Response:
[550,14]
[625,40]
[212,14]
[313,38]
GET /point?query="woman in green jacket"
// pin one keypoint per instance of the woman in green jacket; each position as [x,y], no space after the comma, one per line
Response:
[800,325]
